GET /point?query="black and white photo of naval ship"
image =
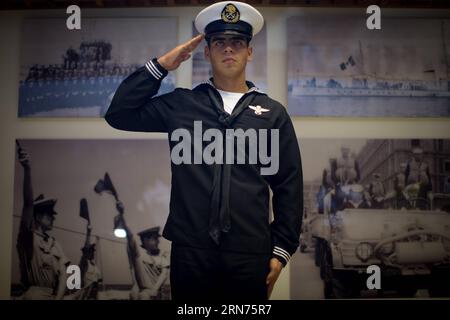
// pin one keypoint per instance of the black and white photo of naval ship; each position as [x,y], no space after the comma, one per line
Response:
[361,74]
[76,73]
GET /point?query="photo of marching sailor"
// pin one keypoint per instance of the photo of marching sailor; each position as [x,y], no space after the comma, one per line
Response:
[374,202]
[75,74]
[91,229]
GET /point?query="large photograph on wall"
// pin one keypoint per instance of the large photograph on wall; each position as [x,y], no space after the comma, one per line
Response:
[97,204]
[374,202]
[74,73]
[256,71]
[337,67]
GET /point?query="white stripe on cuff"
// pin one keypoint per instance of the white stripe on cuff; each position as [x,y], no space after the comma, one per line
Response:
[282,252]
[155,68]
[152,69]
[281,249]
[281,255]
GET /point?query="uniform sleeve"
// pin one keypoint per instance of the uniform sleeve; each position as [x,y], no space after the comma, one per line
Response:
[25,236]
[287,200]
[58,254]
[133,108]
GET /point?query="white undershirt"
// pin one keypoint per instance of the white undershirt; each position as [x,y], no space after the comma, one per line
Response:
[230,99]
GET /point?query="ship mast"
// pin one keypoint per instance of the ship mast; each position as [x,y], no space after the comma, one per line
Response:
[362,57]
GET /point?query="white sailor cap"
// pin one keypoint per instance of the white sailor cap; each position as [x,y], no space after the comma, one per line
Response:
[229,17]
[44,205]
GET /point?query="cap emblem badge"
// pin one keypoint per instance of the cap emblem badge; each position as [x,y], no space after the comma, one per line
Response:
[230,13]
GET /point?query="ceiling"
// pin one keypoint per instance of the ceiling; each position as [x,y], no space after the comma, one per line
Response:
[54,4]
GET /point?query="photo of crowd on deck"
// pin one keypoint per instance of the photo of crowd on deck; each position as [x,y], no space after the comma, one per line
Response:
[79,77]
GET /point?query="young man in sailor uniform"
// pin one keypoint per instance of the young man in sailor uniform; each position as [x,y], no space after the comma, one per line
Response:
[150,266]
[42,260]
[223,246]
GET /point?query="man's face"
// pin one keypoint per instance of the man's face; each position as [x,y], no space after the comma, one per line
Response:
[151,244]
[228,54]
[45,220]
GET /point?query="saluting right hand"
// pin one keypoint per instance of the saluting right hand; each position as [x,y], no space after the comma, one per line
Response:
[172,59]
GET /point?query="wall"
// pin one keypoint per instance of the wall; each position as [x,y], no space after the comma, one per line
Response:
[12,127]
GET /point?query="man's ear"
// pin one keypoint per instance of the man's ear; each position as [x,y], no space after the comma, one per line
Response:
[250,53]
[206,51]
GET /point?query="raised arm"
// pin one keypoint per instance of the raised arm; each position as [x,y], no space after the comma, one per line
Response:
[84,258]
[132,248]
[24,243]
[27,211]
[88,236]
[133,108]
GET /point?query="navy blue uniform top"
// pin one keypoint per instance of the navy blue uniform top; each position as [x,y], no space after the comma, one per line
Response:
[134,108]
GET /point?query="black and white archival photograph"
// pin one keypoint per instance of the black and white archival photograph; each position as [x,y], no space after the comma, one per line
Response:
[376,220]
[75,73]
[339,68]
[96,205]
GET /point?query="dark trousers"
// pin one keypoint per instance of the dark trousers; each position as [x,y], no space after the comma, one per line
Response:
[198,274]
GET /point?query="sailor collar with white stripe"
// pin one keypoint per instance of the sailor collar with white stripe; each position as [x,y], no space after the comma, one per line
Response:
[251,89]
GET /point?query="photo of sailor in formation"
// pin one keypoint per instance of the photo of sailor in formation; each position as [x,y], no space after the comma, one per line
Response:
[75,74]
[382,202]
